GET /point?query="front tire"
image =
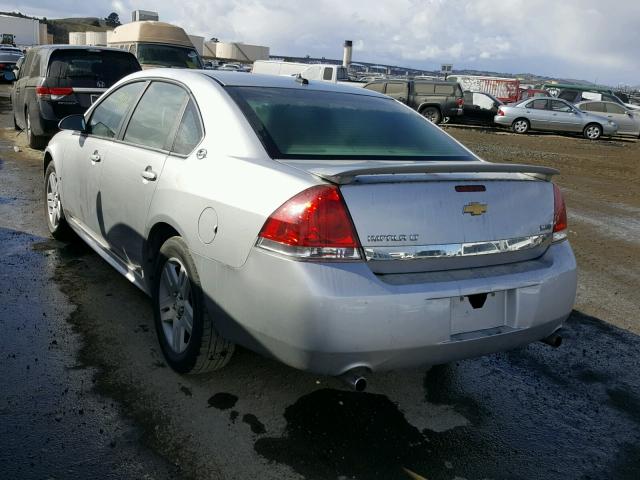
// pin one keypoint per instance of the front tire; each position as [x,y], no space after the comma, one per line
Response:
[432,114]
[187,336]
[593,131]
[520,126]
[34,141]
[56,221]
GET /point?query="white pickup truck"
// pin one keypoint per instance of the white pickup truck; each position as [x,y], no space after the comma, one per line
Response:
[320,71]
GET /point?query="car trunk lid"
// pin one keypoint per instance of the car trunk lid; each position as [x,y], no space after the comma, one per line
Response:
[425,216]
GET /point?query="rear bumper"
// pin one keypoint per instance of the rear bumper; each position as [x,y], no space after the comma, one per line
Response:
[502,120]
[329,318]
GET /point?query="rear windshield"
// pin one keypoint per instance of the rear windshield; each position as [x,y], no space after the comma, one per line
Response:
[90,68]
[168,56]
[311,124]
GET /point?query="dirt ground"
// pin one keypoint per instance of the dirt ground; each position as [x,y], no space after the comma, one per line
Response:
[601,184]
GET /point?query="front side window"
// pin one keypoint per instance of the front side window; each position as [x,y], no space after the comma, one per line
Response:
[314,124]
[613,108]
[155,115]
[594,107]
[557,106]
[168,56]
[108,115]
[189,132]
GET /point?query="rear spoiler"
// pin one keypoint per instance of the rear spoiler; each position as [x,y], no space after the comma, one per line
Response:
[346,176]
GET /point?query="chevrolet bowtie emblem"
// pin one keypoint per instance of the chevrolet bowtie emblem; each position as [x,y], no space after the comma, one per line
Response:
[475,208]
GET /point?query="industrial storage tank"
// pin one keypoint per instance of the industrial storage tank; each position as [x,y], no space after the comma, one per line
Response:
[77,38]
[239,52]
[96,38]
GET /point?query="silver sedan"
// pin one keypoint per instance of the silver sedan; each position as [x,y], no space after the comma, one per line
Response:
[628,121]
[553,114]
[327,226]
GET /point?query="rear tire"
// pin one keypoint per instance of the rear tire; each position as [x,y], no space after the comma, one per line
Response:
[34,141]
[187,336]
[593,131]
[520,126]
[432,114]
[56,221]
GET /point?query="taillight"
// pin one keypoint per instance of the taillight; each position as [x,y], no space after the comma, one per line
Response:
[559,215]
[500,112]
[315,224]
[460,101]
[53,93]
[2,66]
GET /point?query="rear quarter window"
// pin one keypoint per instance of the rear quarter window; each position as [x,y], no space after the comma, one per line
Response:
[90,68]
[444,89]
[376,87]
[423,88]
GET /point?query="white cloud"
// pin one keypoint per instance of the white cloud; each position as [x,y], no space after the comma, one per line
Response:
[579,38]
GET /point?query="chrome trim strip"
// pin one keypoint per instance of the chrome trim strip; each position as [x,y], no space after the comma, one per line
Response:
[89,90]
[449,250]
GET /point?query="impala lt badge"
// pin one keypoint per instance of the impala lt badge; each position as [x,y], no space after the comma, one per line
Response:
[475,208]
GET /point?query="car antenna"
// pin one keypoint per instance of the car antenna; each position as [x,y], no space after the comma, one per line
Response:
[300,79]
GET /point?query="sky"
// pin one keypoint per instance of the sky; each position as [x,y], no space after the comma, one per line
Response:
[594,40]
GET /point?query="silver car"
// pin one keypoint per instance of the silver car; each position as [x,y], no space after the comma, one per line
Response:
[553,114]
[327,226]
[627,120]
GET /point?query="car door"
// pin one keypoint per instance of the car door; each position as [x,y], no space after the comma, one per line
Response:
[17,93]
[537,114]
[627,123]
[398,90]
[89,152]
[135,163]
[564,117]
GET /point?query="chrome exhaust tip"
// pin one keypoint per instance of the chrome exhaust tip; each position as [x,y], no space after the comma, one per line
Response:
[355,379]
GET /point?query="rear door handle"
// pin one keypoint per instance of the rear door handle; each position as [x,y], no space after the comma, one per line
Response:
[95,156]
[148,174]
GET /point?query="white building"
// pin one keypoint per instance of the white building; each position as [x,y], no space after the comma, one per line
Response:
[235,51]
[25,30]
[88,38]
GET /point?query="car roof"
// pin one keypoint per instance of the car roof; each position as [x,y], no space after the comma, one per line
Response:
[77,47]
[243,79]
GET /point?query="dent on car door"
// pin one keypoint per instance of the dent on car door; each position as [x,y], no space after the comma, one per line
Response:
[88,153]
[135,164]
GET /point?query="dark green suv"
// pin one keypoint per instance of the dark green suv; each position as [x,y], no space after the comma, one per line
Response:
[434,99]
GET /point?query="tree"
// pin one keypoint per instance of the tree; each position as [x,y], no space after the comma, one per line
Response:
[113,20]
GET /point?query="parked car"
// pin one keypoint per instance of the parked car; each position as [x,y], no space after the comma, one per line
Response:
[628,122]
[553,114]
[433,99]
[8,61]
[478,109]
[59,80]
[232,200]
[504,89]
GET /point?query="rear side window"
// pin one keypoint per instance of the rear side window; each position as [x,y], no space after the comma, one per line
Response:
[89,68]
[327,74]
[423,88]
[593,107]
[106,118]
[444,89]
[537,105]
[189,131]
[397,88]
[34,68]
[376,87]
[155,115]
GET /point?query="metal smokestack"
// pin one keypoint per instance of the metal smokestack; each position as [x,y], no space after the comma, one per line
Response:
[348,49]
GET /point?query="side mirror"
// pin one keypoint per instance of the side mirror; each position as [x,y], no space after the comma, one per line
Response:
[74,123]
[10,76]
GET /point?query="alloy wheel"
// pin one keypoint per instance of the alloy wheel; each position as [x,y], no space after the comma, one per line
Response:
[176,305]
[520,126]
[54,206]
[593,132]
